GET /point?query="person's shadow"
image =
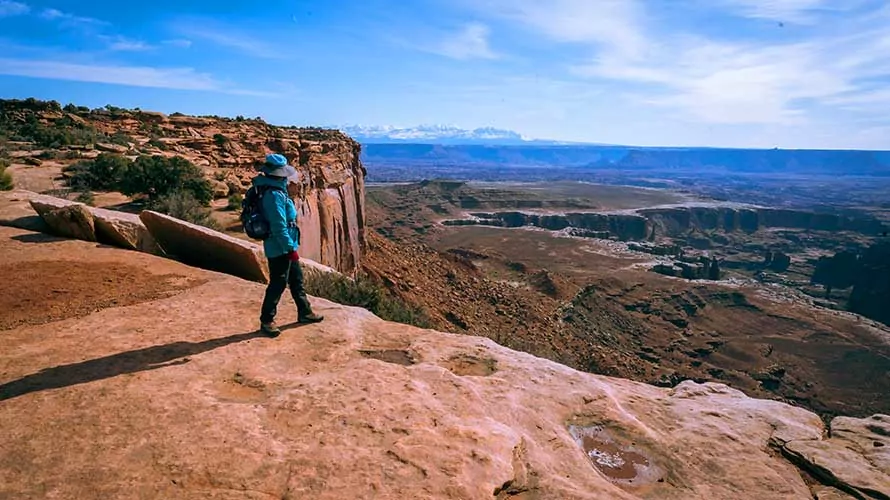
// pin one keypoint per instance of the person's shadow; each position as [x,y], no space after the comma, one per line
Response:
[149,358]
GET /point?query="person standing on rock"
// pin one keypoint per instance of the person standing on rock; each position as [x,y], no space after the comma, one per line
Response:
[281,245]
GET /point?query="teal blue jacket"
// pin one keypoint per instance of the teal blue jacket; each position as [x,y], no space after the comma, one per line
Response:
[281,213]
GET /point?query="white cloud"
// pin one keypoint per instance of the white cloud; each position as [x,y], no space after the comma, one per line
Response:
[9,8]
[732,83]
[616,24]
[471,42]
[179,42]
[68,18]
[121,44]
[717,80]
[788,11]
[135,76]
[229,38]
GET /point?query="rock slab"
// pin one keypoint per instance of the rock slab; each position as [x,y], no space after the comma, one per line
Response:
[205,248]
[65,218]
[124,230]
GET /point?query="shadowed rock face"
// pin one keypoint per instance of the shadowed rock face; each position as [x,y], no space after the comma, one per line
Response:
[871,287]
[868,272]
[330,188]
[205,248]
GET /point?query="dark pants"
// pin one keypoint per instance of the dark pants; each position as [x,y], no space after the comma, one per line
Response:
[283,272]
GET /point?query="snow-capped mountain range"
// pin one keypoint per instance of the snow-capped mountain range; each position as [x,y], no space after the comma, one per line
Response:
[437,134]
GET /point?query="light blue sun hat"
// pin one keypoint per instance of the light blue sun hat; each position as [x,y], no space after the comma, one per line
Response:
[276,165]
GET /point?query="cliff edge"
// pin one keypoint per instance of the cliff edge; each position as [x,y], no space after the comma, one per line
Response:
[44,135]
[126,375]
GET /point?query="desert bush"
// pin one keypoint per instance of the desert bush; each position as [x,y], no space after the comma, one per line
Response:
[102,174]
[235,201]
[184,206]
[158,176]
[86,197]
[120,138]
[48,154]
[220,139]
[62,132]
[6,183]
[364,292]
[156,142]
[115,111]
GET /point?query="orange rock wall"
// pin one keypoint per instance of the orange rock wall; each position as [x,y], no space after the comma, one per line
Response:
[330,191]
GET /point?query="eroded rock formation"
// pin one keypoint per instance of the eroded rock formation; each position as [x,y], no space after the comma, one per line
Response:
[330,185]
[650,223]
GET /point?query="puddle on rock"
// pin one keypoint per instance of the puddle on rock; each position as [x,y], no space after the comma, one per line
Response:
[395,356]
[620,462]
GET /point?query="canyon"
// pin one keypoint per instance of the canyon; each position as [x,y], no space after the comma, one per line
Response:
[675,221]
[556,363]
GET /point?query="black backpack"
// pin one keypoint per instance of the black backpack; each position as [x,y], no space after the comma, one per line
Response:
[253,220]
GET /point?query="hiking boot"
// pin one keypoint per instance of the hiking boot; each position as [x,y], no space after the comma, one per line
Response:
[310,318]
[270,329]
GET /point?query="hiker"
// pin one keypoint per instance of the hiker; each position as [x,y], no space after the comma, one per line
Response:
[281,245]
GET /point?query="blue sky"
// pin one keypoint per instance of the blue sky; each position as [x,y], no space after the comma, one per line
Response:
[746,73]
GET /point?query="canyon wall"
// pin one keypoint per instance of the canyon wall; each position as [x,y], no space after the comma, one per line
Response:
[676,221]
[329,190]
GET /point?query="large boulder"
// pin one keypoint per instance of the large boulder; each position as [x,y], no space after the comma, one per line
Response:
[112,148]
[16,211]
[65,218]
[124,230]
[205,248]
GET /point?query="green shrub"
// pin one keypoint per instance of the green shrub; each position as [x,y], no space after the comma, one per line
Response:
[220,139]
[364,292]
[156,142]
[102,174]
[120,138]
[158,176]
[5,177]
[62,132]
[86,197]
[235,202]
[184,206]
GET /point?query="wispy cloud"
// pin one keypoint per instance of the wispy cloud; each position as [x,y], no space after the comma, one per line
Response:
[71,19]
[719,80]
[611,23]
[179,42]
[470,42]
[9,8]
[227,37]
[789,11]
[135,76]
[123,44]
